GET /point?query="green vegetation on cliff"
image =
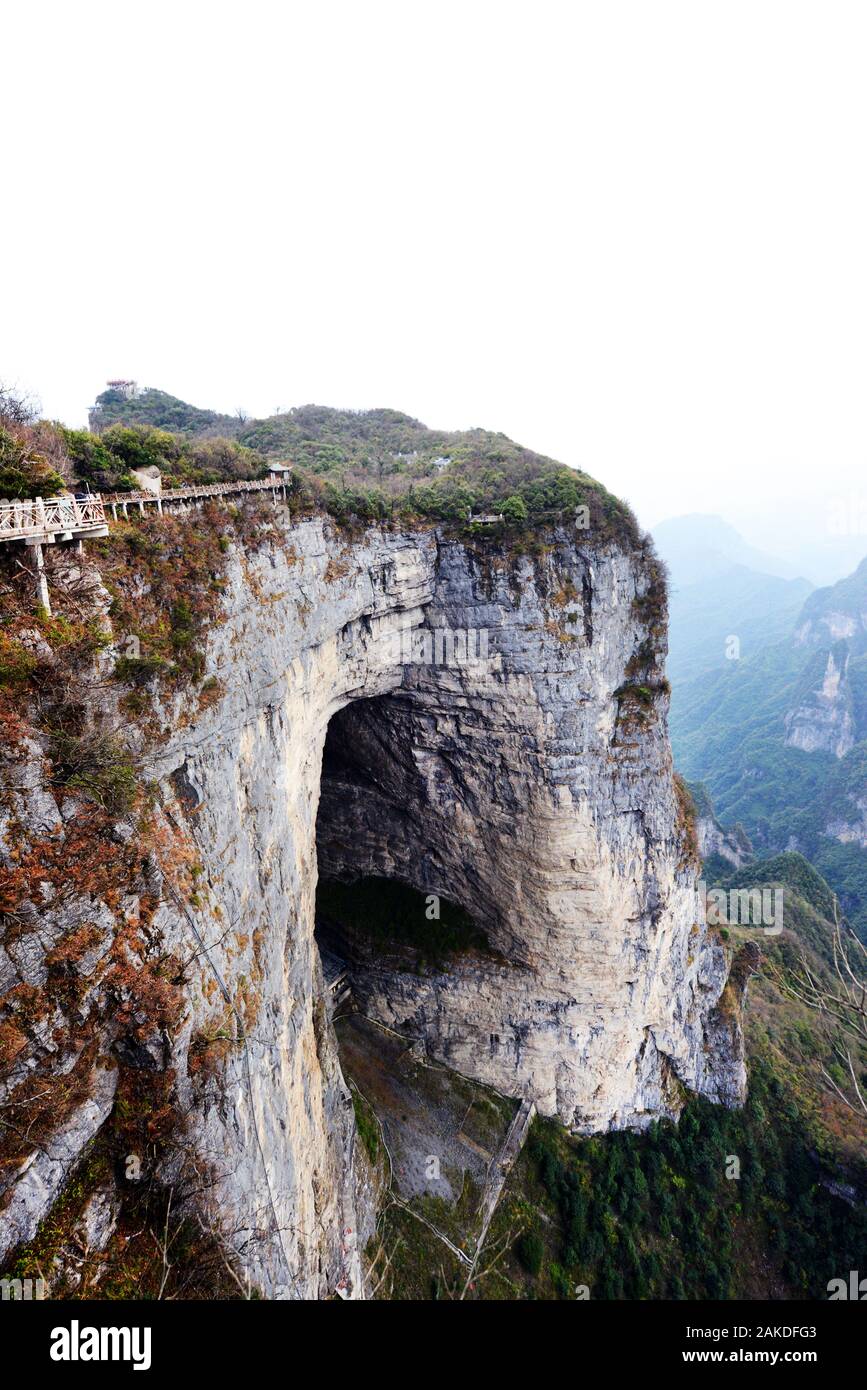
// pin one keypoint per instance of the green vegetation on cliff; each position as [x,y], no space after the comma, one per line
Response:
[379,914]
[379,463]
[727,1204]
[157,410]
[31,453]
[373,465]
[767,1202]
[105,462]
[39,458]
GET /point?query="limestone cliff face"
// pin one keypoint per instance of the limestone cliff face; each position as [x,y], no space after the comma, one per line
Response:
[851,830]
[307,628]
[521,787]
[833,629]
[532,786]
[731,844]
[823,721]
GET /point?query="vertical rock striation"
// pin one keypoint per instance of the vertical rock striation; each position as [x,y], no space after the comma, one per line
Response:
[533,786]
[526,789]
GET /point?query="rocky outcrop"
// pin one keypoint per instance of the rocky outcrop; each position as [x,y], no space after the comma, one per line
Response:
[531,784]
[307,627]
[33,1186]
[731,844]
[828,716]
[851,830]
[823,721]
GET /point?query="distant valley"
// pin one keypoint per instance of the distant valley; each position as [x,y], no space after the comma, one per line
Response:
[775,723]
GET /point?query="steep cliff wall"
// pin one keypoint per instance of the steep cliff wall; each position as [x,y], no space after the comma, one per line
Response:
[525,788]
[533,787]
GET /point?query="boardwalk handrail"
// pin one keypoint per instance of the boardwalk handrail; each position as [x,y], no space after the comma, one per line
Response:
[44,516]
[180,494]
[47,517]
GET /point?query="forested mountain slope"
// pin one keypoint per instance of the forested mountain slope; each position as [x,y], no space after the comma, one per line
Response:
[780,738]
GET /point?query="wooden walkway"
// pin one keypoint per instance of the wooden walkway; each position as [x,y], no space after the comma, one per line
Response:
[46,520]
[120,502]
[51,519]
[42,521]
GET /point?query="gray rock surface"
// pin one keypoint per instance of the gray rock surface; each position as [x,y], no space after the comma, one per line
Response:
[523,786]
[823,721]
[38,1181]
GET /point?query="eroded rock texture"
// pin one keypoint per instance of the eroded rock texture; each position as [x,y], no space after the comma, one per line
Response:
[522,788]
[533,787]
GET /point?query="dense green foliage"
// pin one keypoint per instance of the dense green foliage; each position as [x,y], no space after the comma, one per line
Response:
[100,766]
[530,1251]
[378,463]
[157,409]
[39,458]
[656,1216]
[374,465]
[25,471]
[31,462]
[105,462]
[382,914]
[791,870]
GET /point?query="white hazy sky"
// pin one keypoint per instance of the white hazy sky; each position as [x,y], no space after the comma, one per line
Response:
[631,235]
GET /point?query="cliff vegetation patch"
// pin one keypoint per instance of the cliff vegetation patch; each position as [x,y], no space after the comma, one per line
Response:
[382,915]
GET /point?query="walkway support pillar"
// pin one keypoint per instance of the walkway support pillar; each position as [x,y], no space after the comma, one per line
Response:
[43,598]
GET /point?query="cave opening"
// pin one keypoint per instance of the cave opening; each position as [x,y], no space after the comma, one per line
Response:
[379,900]
[400,956]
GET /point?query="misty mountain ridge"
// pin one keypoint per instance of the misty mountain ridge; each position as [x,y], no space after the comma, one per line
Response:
[753,608]
[722,588]
[698,547]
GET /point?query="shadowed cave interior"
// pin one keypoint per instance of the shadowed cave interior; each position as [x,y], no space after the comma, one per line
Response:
[382,918]
[379,895]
